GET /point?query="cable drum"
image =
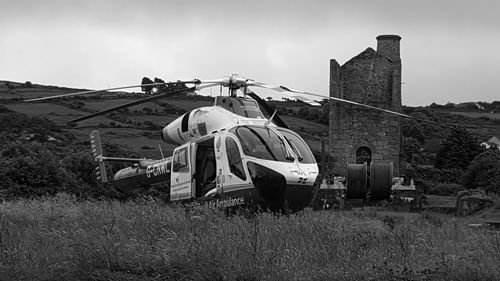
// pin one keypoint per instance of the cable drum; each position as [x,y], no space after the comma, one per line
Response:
[356,181]
[381,180]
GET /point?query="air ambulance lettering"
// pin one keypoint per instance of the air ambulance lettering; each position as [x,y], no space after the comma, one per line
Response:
[225,203]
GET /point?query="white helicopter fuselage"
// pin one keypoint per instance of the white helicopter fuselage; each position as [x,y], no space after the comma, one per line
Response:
[226,113]
[231,160]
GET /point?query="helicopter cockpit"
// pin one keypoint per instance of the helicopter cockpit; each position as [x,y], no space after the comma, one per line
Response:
[273,161]
[269,144]
[262,143]
[298,145]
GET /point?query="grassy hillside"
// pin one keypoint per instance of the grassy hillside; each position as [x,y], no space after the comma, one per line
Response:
[60,238]
[138,127]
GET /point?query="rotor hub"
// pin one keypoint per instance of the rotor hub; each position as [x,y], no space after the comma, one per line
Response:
[234,82]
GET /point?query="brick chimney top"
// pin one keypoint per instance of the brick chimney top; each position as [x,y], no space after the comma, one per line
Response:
[388,37]
[388,46]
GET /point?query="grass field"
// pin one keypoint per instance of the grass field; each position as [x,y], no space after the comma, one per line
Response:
[105,104]
[478,114]
[60,238]
[59,114]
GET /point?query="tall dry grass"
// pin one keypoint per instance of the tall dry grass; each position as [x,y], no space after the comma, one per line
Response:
[59,238]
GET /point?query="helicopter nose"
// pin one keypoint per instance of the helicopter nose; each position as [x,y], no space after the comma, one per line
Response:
[269,184]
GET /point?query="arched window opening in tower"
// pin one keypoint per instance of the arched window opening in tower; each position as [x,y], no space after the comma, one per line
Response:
[363,154]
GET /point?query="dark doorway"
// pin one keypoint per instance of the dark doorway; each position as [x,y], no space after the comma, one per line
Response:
[363,154]
[205,166]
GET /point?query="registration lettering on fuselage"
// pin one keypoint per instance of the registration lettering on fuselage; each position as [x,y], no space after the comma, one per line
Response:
[158,168]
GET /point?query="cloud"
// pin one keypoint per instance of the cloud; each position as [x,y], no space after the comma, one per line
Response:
[448,48]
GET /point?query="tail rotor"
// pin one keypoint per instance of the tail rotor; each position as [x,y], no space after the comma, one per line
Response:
[95,144]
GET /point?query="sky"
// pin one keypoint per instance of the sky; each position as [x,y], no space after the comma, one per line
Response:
[449,49]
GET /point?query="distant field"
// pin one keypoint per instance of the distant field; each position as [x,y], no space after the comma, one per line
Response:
[495,116]
[42,109]
[188,104]
[54,112]
[311,132]
[482,124]
[57,113]
[296,123]
[134,138]
[29,93]
[60,238]
[105,104]
[159,120]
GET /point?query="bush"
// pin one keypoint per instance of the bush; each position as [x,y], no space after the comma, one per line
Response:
[76,104]
[151,126]
[82,166]
[457,150]
[30,169]
[15,123]
[438,175]
[484,172]
[444,189]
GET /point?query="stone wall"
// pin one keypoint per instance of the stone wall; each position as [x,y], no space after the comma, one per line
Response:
[373,78]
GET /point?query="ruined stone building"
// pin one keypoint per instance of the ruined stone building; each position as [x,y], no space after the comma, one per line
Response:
[358,135]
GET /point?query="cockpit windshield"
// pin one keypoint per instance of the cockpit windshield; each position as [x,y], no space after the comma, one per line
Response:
[262,143]
[298,146]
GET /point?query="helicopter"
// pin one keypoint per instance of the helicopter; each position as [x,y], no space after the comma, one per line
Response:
[228,155]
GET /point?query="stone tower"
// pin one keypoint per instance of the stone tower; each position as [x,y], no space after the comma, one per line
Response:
[358,134]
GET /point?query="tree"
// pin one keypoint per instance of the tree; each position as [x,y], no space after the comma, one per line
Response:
[411,149]
[457,150]
[146,89]
[413,129]
[484,172]
[161,88]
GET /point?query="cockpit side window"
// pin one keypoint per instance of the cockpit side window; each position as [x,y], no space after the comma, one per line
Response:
[298,146]
[234,158]
[262,143]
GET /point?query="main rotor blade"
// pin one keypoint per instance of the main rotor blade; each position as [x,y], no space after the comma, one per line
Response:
[207,85]
[116,88]
[286,90]
[155,97]
[384,110]
[277,120]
